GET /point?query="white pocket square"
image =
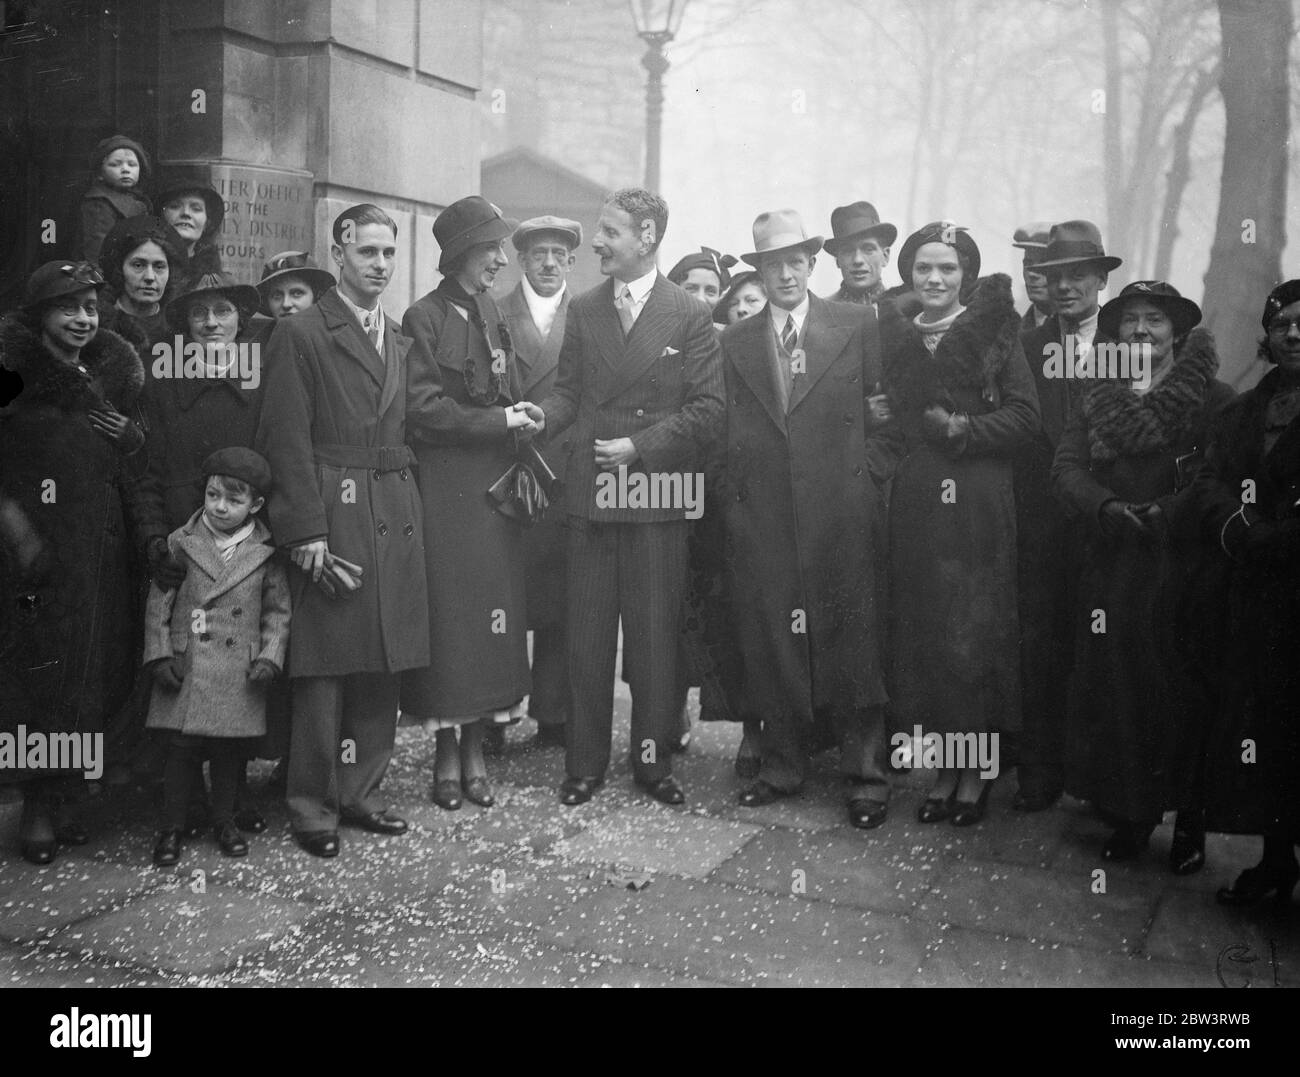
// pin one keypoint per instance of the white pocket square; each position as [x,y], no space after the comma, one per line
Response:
[669,351]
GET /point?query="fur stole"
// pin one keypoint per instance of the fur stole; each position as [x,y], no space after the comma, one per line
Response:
[114,371]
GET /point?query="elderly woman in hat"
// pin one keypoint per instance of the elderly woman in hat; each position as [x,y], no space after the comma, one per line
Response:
[191,206]
[461,416]
[144,261]
[957,379]
[1136,715]
[66,501]
[1248,503]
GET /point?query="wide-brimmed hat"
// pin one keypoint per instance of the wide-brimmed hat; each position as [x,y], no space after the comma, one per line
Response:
[954,235]
[854,220]
[705,258]
[780,230]
[1185,314]
[1072,242]
[1279,298]
[561,226]
[177,182]
[60,277]
[119,142]
[292,264]
[1032,238]
[738,281]
[240,463]
[467,223]
[244,296]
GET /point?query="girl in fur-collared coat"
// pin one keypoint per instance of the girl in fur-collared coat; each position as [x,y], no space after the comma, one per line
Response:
[215,644]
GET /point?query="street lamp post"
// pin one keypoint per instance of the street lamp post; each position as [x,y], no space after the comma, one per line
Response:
[657,22]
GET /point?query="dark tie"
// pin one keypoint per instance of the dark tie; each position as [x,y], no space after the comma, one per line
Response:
[624,305]
[788,335]
[372,329]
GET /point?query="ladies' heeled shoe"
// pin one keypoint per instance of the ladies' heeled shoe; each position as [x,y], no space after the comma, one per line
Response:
[446,794]
[39,852]
[478,790]
[1127,842]
[1187,853]
[936,809]
[967,814]
[1255,884]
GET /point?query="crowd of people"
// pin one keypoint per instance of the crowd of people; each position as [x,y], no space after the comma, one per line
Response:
[1053,533]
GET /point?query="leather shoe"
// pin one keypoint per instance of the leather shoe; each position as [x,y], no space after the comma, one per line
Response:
[665,790]
[936,809]
[446,794]
[39,852]
[478,790]
[1034,800]
[549,736]
[760,793]
[965,813]
[231,840]
[378,822]
[70,833]
[579,790]
[319,842]
[167,850]
[867,814]
[250,820]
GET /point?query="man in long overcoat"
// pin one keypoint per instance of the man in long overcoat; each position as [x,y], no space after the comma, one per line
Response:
[535,313]
[807,454]
[333,428]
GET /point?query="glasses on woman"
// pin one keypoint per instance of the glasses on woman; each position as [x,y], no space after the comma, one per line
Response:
[70,308]
[1280,327]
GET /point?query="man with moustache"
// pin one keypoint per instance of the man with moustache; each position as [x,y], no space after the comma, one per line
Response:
[807,455]
[333,427]
[535,312]
[1032,239]
[860,246]
[1075,266]
[640,382]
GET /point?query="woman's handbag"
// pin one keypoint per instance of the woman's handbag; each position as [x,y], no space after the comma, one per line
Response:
[527,488]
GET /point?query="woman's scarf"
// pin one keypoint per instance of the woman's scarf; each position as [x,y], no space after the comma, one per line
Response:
[483,390]
[1123,423]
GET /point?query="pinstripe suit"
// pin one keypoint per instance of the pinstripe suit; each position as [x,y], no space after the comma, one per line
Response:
[662,387]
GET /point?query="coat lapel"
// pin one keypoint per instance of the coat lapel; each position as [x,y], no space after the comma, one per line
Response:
[349,336]
[651,333]
[528,341]
[252,554]
[395,348]
[754,359]
[823,342]
[547,357]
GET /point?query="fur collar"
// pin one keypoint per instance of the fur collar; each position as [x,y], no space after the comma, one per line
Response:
[115,372]
[972,354]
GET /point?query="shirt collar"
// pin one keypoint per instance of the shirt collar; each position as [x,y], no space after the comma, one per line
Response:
[640,288]
[540,302]
[362,315]
[1087,330]
[779,315]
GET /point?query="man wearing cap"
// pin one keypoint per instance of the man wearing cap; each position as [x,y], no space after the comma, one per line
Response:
[333,428]
[1032,239]
[535,312]
[806,458]
[860,245]
[641,384]
[1075,265]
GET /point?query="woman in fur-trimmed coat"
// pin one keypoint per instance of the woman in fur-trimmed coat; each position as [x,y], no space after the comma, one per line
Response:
[958,381]
[1137,716]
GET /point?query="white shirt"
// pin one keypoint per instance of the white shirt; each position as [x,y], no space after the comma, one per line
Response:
[779,315]
[368,318]
[542,309]
[640,289]
[1087,330]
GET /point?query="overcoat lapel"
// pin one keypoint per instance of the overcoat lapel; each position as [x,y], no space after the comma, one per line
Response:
[823,342]
[651,333]
[349,337]
[395,348]
[754,359]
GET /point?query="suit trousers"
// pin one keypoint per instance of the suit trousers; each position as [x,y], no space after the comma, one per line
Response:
[863,745]
[549,703]
[324,782]
[636,571]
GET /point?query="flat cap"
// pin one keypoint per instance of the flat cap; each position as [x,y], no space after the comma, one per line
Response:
[560,225]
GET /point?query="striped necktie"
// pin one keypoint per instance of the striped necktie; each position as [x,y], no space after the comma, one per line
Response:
[624,305]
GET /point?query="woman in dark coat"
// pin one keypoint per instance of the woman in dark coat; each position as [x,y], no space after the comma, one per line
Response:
[464,429]
[1248,502]
[144,262]
[67,637]
[1136,717]
[957,377]
[191,206]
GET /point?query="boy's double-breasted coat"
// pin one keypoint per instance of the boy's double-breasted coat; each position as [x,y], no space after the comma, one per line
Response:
[223,616]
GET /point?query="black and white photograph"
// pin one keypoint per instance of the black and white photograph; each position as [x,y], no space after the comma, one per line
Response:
[650,493]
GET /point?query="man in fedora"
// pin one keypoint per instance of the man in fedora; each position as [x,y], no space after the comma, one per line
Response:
[806,457]
[860,246]
[333,427]
[536,311]
[640,382]
[1075,265]
[1032,239]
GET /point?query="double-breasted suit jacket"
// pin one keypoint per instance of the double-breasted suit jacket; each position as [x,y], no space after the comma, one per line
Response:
[333,428]
[805,514]
[538,362]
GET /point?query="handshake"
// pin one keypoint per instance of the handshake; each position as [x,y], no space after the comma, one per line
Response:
[526,419]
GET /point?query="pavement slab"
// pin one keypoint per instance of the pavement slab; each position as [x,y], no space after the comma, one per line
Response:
[37,901]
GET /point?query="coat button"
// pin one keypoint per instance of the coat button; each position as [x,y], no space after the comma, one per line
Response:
[230,641]
[640,412]
[383,529]
[409,529]
[204,637]
[374,473]
[236,611]
[403,474]
[848,420]
[858,470]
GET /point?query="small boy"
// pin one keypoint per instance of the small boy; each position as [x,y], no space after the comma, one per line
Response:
[118,167]
[215,644]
